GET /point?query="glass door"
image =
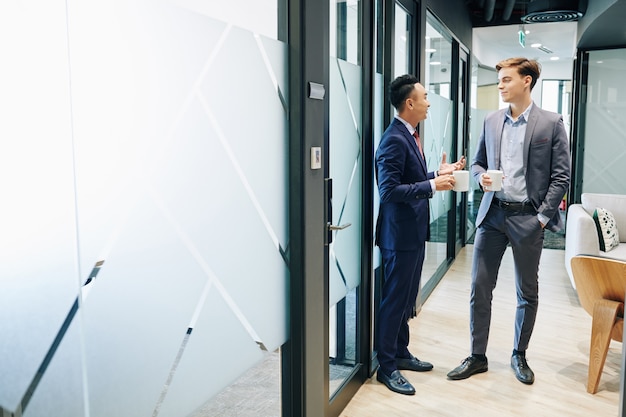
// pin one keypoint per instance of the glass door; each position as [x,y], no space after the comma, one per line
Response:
[394,57]
[438,138]
[344,191]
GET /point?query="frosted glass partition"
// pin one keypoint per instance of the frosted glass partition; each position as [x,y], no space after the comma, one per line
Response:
[39,279]
[345,170]
[258,16]
[145,223]
[438,139]
[605,125]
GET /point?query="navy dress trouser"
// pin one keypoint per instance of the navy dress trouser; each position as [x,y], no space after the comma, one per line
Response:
[402,272]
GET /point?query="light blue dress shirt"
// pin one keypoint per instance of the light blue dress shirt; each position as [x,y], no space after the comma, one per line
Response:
[512,160]
[512,157]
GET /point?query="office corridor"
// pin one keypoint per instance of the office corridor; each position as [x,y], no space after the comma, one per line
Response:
[558,354]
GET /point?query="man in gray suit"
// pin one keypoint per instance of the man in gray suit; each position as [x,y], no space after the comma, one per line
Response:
[530,146]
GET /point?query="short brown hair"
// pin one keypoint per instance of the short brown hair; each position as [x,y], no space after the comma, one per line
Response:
[524,67]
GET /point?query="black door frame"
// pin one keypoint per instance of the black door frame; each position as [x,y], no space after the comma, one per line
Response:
[305,373]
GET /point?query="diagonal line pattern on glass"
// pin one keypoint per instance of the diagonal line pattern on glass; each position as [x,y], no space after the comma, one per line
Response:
[43,367]
[212,277]
[270,72]
[240,173]
[170,376]
[358,133]
[211,281]
[146,172]
[354,167]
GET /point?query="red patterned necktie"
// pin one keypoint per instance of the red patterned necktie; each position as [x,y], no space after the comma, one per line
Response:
[419,142]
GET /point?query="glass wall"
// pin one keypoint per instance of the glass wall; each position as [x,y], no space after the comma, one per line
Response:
[604,123]
[378,122]
[484,99]
[556,96]
[438,136]
[402,42]
[144,244]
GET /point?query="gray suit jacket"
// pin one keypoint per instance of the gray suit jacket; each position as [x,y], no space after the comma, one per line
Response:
[546,161]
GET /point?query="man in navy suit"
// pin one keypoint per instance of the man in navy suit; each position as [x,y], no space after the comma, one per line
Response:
[405,185]
[530,146]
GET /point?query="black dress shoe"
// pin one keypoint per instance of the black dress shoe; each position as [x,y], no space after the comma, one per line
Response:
[523,373]
[413,364]
[396,382]
[470,366]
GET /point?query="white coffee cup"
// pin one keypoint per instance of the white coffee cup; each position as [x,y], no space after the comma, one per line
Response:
[461,180]
[496,180]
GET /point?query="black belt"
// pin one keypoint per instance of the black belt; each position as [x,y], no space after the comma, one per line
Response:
[514,207]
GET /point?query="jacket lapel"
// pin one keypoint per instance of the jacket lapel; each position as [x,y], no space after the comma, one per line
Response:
[412,144]
[418,154]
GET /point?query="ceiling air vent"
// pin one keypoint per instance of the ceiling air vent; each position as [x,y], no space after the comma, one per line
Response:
[546,50]
[544,11]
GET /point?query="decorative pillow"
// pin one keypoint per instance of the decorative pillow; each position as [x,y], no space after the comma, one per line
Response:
[607,229]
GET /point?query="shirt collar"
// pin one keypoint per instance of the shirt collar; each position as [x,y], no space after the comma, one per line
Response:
[410,128]
[523,116]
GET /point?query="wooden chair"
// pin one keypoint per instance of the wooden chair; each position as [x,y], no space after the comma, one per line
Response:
[601,286]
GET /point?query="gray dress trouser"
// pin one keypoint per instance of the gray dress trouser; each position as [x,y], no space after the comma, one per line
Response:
[525,235]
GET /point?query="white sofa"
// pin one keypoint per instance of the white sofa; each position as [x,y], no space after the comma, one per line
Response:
[581,236]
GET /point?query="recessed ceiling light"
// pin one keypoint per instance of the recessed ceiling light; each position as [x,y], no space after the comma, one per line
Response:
[599,62]
[554,58]
[535,45]
[429,50]
[435,63]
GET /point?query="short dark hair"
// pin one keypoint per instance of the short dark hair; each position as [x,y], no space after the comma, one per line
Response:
[524,67]
[400,89]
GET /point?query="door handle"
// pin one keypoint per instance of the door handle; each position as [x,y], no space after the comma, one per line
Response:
[341,227]
[328,215]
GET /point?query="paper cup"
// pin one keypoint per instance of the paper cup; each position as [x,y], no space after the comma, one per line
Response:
[461,180]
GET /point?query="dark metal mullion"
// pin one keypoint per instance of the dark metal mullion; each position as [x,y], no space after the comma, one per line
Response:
[304,381]
[577,142]
[364,334]
[454,90]
[466,138]
[389,44]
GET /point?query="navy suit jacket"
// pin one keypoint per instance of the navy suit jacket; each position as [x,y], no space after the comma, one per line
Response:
[546,161]
[404,187]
